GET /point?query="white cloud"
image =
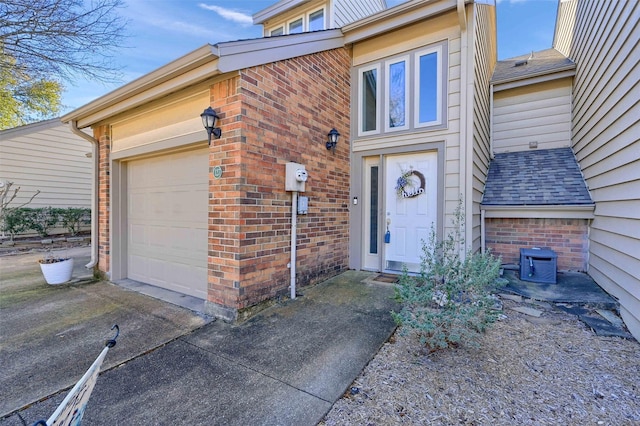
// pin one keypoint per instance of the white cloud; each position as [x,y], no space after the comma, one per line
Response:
[229,14]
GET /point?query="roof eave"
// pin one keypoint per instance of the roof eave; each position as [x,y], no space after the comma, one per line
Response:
[533,78]
[396,17]
[165,79]
[275,10]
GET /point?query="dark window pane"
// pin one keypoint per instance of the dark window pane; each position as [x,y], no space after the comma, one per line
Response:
[428,88]
[373,209]
[369,95]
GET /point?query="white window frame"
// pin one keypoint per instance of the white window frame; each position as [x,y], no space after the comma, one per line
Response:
[324,18]
[416,78]
[361,72]
[387,97]
[281,27]
[297,18]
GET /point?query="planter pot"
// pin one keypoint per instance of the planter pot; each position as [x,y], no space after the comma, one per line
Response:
[58,272]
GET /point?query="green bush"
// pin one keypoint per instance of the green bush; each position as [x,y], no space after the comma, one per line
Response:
[42,220]
[450,301]
[73,218]
[15,221]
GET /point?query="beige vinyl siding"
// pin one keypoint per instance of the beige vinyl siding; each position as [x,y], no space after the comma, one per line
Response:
[484,59]
[606,125]
[348,11]
[445,27]
[46,156]
[538,113]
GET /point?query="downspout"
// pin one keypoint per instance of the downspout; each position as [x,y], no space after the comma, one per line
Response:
[73,126]
[465,170]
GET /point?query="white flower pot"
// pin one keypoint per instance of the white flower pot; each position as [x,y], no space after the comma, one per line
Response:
[58,272]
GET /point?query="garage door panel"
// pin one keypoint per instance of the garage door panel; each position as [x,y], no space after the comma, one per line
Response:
[167,216]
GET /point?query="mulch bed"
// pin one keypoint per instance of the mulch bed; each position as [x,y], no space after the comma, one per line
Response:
[528,371]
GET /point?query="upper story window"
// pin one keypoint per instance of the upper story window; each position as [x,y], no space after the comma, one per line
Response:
[312,21]
[403,92]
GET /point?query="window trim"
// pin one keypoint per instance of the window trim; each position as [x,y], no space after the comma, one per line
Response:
[324,18]
[439,71]
[387,84]
[291,21]
[281,27]
[361,72]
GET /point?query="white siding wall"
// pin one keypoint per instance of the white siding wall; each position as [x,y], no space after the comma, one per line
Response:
[603,42]
[538,113]
[484,58]
[348,11]
[47,157]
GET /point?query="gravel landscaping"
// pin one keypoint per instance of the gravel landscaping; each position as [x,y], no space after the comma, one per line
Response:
[547,370]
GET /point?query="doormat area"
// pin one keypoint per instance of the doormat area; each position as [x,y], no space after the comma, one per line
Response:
[387,278]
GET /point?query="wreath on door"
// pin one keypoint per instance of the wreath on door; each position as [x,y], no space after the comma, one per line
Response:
[410,184]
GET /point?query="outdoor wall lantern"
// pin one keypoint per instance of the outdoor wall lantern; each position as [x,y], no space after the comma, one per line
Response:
[209,118]
[332,139]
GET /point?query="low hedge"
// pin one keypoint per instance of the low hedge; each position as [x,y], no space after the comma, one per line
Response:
[42,220]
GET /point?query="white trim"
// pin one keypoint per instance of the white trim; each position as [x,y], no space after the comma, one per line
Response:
[416,78]
[291,21]
[361,71]
[387,97]
[582,211]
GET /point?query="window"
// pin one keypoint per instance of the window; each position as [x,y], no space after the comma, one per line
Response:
[428,88]
[316,20]
[397,90]
[369,98]
[312,21]
[412,95]
[277,32]
[295,27]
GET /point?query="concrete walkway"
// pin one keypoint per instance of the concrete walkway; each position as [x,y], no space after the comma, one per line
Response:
[286,366]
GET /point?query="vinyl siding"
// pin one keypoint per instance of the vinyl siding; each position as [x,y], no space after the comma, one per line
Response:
[484,59]
[602,38]
[47,157]
[444,27]
[538,113]
[348,11]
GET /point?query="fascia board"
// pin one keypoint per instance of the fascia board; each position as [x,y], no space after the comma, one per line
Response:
[200,63]
[396,17]
[135,99]
[276,9]
[534,78]
[567,211]
[237,55]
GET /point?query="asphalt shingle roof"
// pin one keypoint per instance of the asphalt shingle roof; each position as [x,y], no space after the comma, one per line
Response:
[540,177]
[536,63]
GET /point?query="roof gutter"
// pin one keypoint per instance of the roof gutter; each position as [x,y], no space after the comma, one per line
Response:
[73,126]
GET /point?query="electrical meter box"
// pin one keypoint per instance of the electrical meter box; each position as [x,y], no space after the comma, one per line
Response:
[295,177]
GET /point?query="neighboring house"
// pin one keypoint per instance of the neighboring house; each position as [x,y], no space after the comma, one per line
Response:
[601,37]
[421,113]
[566,170]
[49,158]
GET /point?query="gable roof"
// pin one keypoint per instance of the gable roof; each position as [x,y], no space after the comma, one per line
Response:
[536,178]
[545,63]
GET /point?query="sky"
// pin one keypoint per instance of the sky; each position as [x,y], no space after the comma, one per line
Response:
[160,31]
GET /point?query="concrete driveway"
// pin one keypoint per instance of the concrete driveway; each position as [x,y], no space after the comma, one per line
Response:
[50,334]
[285,366]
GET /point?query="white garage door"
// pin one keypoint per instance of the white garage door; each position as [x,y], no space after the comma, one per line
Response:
[167,221]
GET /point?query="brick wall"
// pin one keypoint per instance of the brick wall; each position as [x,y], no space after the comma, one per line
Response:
[270,115]
[567,237]
[102,135]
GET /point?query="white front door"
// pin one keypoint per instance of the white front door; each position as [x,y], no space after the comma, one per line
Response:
[410,208]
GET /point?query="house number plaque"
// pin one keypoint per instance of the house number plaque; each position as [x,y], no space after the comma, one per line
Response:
[217,172]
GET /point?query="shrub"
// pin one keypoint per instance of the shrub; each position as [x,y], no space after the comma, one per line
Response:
[450,301]
[42,220]
[15,221]
[73,218]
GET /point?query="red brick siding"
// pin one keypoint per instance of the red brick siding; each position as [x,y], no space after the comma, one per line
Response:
[102,135]
[567,237]
[273,114]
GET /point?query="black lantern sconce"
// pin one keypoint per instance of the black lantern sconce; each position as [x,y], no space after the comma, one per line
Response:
[209,118]
[332,139]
